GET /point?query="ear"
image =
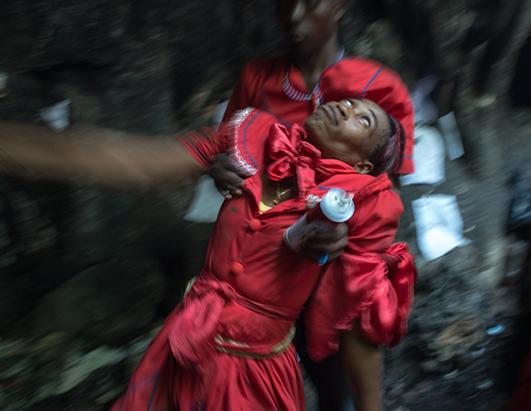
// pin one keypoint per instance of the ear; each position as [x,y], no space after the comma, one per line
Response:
[364,167]
[339,9]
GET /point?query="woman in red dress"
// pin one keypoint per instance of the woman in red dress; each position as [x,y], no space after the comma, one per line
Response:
[290,87]
[227,347]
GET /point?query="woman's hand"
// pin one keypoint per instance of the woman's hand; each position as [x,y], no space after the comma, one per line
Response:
[329,240]
[229,180]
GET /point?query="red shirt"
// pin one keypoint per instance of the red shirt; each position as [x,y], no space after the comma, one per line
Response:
[277,86]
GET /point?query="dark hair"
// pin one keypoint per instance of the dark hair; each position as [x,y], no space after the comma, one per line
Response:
[388,155]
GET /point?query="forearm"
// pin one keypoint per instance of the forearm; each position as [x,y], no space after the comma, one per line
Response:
[363,362]
[93,155]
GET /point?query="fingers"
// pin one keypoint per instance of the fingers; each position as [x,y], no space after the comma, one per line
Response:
[223,176]
[228,181]
[330,240]
[224,162]
[231,180]
[330,232]
[225,193]
[316,251]
[229,191]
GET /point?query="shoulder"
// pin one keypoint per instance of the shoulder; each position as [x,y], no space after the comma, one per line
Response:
[370,193]
[249,120]
[362,64]
[378,209]
[354,77]
[378,195]
[363,185]
[247,131]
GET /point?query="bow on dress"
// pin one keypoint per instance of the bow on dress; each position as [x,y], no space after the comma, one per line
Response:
[291,155]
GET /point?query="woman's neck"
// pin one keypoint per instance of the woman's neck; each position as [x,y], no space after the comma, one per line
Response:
[312,65]
[276,192]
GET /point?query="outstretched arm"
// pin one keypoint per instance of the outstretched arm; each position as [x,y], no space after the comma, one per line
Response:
[94,155]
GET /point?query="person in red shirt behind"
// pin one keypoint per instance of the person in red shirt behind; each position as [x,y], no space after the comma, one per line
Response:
[291,87]
[228,346]
[314,71]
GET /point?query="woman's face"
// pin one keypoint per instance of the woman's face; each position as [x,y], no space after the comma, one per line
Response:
[348,130]
[309,24]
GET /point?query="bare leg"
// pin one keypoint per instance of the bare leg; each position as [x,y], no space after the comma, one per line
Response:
[363,362]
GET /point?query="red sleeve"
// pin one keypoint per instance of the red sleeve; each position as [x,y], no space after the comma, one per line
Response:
[242,137]
[372,282]
[205,144]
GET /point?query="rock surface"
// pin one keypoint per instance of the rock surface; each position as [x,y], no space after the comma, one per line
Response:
[86,275]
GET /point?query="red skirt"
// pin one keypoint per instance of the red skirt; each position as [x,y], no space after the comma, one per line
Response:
[182,371]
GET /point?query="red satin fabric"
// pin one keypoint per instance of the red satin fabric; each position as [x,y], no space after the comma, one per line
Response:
[261,86]
[384,322]
[382,286]
[183,370]
[291,155]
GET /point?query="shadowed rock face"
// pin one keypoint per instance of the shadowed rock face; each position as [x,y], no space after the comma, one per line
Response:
[87,274]
[133,66]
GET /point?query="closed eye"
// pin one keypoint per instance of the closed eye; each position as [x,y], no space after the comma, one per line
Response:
[365,121]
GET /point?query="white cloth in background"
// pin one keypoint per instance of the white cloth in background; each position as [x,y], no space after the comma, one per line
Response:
[219,112]
[438,220]
[206,203]
[439,225]
[452,136]
[428,157]
[57,116]
[426,111]
[207,199]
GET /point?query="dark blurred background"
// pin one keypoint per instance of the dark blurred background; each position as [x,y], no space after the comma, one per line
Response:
[87,275]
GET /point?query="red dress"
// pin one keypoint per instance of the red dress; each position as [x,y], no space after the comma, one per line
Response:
[277,86]
[227,347]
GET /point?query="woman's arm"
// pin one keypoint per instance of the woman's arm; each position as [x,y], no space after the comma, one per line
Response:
[94,155]
[363,363]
